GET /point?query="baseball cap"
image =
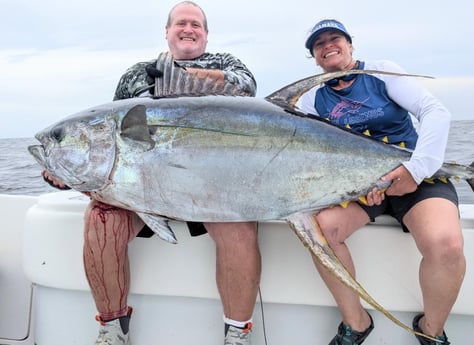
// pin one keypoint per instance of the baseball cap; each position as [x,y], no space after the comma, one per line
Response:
[323,26]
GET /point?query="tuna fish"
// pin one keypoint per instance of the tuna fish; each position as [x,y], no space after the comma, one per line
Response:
[218,158]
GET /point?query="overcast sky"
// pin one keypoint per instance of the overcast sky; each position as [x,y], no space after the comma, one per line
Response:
[60,57]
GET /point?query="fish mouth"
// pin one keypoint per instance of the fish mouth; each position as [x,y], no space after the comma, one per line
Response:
[38,152]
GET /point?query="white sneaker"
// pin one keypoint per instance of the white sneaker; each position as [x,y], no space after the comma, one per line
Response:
[238,336]
[111,333]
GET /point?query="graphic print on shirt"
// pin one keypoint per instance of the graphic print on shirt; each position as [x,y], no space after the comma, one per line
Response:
[345,107]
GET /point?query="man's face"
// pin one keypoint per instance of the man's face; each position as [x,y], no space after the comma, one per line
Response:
[186,34]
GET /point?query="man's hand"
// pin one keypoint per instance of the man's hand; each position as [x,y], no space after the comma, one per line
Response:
[151,74]
[53,182]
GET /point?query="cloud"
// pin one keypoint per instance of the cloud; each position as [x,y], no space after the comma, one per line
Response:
[40,87]
[62,57]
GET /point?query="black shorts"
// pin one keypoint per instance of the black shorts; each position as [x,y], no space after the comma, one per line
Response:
[195,229]
[398,206]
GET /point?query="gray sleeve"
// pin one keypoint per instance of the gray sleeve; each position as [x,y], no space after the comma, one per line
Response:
[133,81]
[235,72]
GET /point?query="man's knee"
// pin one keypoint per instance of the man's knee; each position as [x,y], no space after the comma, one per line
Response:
[99,209]
[108,219]
[241,234]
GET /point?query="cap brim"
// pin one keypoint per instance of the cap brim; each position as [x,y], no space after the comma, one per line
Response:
[310,41]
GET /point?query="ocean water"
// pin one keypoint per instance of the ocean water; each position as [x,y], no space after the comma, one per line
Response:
[20,174]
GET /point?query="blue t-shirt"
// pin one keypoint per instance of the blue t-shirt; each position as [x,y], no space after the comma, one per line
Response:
[365,105]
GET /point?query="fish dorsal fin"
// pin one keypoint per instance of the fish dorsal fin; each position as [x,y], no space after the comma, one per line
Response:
[177,82]
[134,126]
[288,96]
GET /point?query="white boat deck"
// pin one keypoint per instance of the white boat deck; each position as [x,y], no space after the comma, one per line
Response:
[174,295]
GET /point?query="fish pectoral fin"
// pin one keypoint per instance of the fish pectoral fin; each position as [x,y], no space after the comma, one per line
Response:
[134,126]
[160,226]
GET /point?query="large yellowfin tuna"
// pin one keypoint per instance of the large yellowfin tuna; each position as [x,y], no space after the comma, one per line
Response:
[221,158]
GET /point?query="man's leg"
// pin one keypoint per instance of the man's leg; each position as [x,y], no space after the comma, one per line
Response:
[107,232]
[238,268]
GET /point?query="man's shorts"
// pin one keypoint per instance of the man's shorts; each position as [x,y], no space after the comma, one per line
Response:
[195,229]
[398,206]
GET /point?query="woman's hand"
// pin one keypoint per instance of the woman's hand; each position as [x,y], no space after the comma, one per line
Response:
[402,182]
[375,197]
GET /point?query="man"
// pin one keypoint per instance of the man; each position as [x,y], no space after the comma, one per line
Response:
[108,229]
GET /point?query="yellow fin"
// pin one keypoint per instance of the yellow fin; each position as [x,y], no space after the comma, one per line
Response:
[363,200]
[348,127]
[443,179]
[344,204]
[403,145]
[385,139]
[367,132]
[429,180]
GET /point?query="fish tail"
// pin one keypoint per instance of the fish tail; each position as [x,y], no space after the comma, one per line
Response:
[308,231]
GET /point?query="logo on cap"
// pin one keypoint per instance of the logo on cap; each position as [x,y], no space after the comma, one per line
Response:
[323,26]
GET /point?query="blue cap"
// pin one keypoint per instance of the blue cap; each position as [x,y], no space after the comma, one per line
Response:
[323,26]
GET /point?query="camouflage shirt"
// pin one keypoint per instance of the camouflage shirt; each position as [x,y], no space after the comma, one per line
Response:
[133,82]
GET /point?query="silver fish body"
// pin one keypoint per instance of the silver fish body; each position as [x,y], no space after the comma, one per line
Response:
[212,158]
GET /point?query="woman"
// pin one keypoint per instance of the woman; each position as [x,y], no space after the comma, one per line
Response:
[381,104]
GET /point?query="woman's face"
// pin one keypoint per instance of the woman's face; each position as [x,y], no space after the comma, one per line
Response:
[332,51]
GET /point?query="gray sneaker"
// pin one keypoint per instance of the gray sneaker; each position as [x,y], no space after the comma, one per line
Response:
[237,336]
[111,332]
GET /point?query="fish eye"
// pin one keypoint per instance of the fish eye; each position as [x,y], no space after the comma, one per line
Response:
[57,133]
